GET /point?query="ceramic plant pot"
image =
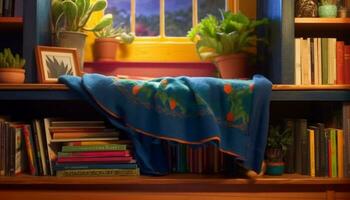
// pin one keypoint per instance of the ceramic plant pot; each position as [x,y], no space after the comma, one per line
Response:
[275,168]
[233,66]
[105,49]
[12,75]
[327,11]
[76,40]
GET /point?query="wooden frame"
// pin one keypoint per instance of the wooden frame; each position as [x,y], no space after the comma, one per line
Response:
[56,56]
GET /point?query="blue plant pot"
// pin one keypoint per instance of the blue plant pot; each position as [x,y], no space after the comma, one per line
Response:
[327,11]
[275,169]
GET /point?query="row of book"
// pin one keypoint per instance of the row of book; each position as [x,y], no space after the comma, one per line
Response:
[11,8]
[321,61]
[64,148]
[316,150]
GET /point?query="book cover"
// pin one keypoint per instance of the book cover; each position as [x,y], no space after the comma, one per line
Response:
[95,154]
[298,61]
[340,62]
[99,172]
[333,152]
[317,150]
[42,146]
[332,71]
[65,166]
[107,147]
[75,135]
[124,159]
[97,142]
[324,55]
[30,149]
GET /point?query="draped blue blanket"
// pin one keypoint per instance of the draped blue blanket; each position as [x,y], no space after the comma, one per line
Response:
[232,113]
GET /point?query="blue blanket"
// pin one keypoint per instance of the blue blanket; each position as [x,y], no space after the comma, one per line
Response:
[232,113]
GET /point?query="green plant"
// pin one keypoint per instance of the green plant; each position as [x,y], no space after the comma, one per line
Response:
[277,143]
[73,15]
[8,60]
[328,2]
[56,69]
[233,33]
[118,33]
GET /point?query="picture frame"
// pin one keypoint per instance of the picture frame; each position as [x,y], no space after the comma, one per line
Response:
[53,62]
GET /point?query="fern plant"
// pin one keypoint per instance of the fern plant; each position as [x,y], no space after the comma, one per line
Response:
[56,68]
[8,60]
[277,143]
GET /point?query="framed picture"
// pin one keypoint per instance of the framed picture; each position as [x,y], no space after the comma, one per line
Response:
[53,62]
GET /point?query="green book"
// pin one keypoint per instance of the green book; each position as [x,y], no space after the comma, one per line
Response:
[105,147]
[99,172]
[324,60]
[334,153]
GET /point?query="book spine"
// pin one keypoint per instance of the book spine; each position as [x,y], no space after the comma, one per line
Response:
[111,147]
[103,159]
[30,152]
[95,154]
[322,149]
[347,64]
[324,54]
[297,61]
[312,153]
[340,153]
[99,172]
[66,166]
[340,62]
[333,150]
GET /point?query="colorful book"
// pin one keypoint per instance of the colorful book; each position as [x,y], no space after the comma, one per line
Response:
[340,62]
[95,154]
[96,142]
[75,135]
[125,159]
[333,151]
[312,152]
[347,64]
[340,153]
[65,166]
[28,136]
[107,147]
[99,172]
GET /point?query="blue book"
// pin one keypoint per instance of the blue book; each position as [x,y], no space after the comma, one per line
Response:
[96,166]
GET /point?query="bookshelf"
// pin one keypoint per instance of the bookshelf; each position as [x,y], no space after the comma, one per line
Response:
[11,23]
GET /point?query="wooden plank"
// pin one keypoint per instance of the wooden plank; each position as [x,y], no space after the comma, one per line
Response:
[317,20]
[170,180]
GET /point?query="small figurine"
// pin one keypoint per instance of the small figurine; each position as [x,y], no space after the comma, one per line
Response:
[306,8]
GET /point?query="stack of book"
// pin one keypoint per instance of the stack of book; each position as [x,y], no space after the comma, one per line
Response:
[89,148]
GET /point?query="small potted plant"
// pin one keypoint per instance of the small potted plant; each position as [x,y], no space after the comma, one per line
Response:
[277,143]
[107,40]
[11,67]
[226,41]
[327,8]
[69,19]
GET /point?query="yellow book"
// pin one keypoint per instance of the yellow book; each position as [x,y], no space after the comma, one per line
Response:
[312,152]
[340,152]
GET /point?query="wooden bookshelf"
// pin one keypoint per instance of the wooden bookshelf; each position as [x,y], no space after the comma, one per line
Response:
[11,23]
[322,27]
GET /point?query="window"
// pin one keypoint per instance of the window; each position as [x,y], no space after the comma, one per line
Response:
[161,27]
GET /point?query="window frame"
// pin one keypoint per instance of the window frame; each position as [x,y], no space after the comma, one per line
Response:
[161,48]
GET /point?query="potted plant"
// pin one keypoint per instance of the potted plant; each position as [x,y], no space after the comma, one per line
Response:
[327,8]
[107,40]
[226,41]
[69,19]
[277,143]
[11,67]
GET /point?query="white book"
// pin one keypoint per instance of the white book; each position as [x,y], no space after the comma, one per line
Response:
[319,63]
[297,75]
[305,62]
[315,55]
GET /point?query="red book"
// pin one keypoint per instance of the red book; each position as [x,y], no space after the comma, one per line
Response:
[347,64]
[125,159]
[94,154]
[340,62]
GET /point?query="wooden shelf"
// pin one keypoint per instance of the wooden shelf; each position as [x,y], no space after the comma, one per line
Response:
[171,180]
[279,92]
[322,27]
[11,23]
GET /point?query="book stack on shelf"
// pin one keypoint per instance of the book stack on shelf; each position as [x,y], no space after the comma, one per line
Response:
[316,150]
[321,61]
[11,8]
[65,148]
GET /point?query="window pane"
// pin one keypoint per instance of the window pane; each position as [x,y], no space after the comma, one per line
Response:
[178,17]
[121,12]
[147,18]
[206,7]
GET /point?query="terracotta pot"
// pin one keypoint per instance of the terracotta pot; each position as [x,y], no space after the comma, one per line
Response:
[105,49]
[233,66]
[11,75]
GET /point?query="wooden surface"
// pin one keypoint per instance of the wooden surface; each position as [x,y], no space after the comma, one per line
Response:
[322,27]
[277,87]
[171,179]
[10,23]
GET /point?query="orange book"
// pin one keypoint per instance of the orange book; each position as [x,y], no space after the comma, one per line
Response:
[340,152]
[340,62]
[312,152]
